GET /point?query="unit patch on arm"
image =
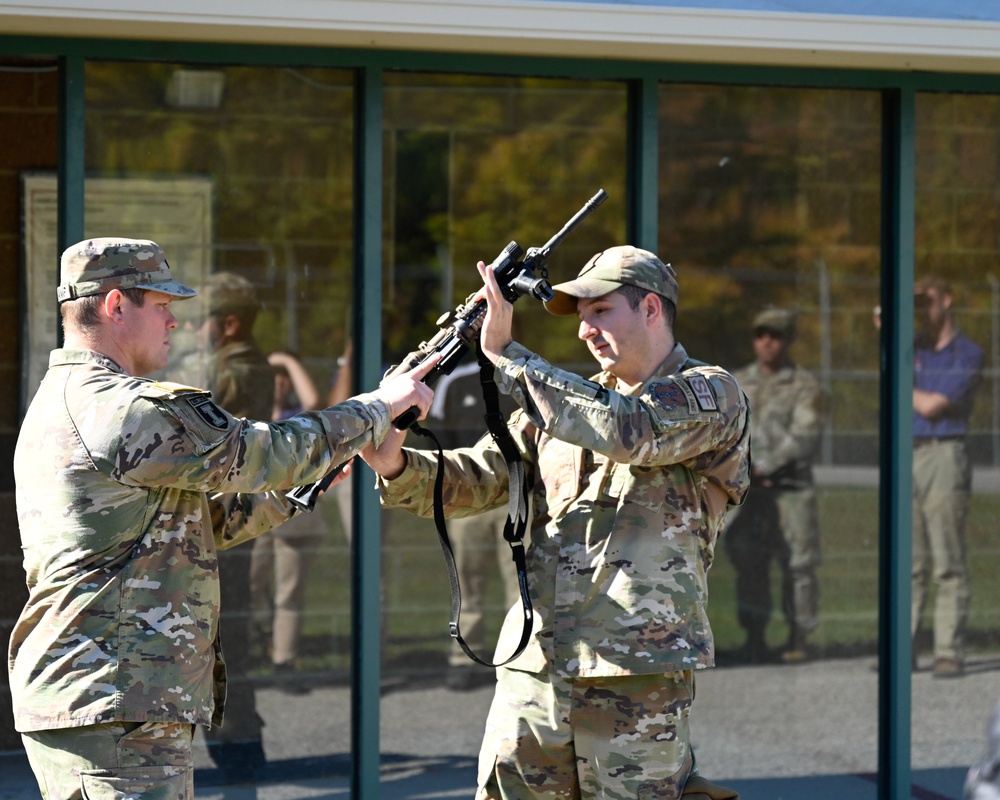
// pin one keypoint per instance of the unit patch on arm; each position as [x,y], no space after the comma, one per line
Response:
[703,393]
[209,411]
[686,394]
[671,395]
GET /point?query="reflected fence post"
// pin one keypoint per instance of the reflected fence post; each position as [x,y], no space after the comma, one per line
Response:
[825,355]
[995,364]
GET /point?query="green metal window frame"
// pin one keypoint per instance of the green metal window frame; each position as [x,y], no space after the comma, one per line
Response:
[898,91]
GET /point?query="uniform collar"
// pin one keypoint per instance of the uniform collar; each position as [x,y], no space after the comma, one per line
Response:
[786,373]
[671,364]
[65,357]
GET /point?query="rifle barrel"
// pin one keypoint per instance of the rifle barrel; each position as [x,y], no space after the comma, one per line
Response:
[588,208]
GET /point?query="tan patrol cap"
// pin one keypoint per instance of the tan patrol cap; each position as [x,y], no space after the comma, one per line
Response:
[776,320]
[611,269]
[100,265]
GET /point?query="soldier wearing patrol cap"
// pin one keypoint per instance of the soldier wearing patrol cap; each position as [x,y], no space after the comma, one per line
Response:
[125,490]
[633,471]
[779,521]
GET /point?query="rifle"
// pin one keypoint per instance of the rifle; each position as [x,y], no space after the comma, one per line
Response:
[459,329]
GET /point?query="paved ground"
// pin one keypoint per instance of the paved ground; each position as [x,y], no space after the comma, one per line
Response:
[804,732]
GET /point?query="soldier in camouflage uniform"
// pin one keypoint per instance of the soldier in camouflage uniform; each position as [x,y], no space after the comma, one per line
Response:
[632,472]
[779,520]
[125,489]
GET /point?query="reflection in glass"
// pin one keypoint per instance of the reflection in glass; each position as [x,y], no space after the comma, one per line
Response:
[769,209]
[245,176]
[956,447]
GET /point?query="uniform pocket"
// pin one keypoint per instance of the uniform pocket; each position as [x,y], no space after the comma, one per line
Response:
[560,463]
[645,486]
[149,783]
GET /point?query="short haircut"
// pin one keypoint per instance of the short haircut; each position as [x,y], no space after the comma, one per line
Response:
[83,314]
[634,295]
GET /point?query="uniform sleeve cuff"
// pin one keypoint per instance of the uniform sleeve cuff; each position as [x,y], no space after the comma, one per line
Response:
[416,470]
[511,365]
[378,412]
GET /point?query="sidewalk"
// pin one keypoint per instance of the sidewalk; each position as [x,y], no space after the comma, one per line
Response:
[803,732]
[439,779]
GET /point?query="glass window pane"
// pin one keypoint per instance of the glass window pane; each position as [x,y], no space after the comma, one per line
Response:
[29,140]
[472,163]
[769,209]
[244,176]
[956,605]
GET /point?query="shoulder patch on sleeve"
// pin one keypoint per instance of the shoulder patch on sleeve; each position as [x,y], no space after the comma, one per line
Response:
[671,395]
[208,411]
[704,394]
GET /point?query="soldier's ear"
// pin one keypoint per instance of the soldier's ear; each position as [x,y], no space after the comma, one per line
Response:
[652,308]
[112,305]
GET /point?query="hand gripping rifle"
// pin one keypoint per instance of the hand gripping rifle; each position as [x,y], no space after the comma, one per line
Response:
[459,329]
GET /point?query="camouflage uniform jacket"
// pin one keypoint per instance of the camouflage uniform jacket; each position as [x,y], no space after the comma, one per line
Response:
[125,488]
[629,493]
[787,422]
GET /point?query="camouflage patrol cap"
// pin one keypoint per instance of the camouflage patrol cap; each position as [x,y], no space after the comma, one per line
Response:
[776,320]
[611,269]
[94,266]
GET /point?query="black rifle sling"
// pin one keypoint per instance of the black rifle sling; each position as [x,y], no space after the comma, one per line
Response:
[517,513]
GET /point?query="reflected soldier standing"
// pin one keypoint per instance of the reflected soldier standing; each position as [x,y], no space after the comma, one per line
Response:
[779,519]
[241,381]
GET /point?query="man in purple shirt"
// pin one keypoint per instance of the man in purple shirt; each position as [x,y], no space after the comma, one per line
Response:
[946,375]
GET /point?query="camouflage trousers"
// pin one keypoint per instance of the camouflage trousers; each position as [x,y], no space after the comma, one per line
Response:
[941,485]
[151,760]
[618,738]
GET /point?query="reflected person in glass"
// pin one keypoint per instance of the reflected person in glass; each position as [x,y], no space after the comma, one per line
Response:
[947,372]
[779,521]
